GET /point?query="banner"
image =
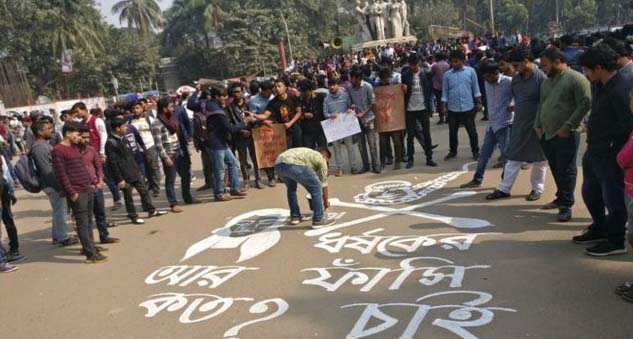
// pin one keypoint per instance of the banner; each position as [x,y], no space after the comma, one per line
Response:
[343,126]
[389,109]
[269,143]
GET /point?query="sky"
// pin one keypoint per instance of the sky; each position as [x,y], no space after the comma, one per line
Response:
[106,6]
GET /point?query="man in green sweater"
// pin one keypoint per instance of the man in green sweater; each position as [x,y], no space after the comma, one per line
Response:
[565,100]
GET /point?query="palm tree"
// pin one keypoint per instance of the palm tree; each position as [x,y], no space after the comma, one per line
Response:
[77,27]
[143,15]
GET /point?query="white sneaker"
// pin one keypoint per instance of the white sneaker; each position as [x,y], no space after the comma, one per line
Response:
[6,268]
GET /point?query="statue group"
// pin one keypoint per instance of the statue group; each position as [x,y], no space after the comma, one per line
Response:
[380,20]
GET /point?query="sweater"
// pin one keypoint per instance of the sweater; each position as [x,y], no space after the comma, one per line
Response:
[70,170]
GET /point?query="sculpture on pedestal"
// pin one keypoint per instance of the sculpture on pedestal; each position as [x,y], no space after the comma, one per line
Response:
[380,19]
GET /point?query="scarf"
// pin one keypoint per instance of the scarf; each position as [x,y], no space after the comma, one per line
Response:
[170,123]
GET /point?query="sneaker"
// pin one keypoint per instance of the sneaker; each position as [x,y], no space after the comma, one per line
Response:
[294,221]
[68,242]
[138,221]
[409,164]
[628,296]
[376,170]
[626,287]
[431,163]
[98,249]
[223,197]
[259,185]
[110,240]
[96,259]
[323,222]
[238,194]
[471,184]
[203,188]
[272,182]
[156,213]
[564,214]
[497,194]
[176,209]
[6,268]
[450,156]
[533,196]
[550,206]
[605,249]
[589,237]
[339,173]
[117,206]
[112,224]
[15,257]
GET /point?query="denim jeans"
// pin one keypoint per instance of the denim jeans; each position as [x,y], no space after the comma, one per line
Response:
[293,174]
[561,153]
[100,215]
[220,158]
[491,140]
[82,211]
[59,206]
[116,193]
[182,167]
[368,136]
[351,153]
[603,190]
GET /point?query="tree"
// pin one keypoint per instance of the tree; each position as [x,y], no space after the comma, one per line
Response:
[143,15]
[512,15]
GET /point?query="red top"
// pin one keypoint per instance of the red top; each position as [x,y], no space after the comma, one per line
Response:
[95,140]
[625,160]
[69,168]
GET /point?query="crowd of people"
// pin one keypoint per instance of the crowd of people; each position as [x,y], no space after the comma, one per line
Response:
[536,98]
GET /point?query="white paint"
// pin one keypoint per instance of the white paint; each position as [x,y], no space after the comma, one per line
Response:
[383,244]
[460,317]
[203,307]
[431,274]
[260,307]
[203,276]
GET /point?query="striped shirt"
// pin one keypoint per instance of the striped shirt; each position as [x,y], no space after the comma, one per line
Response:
[499,99]
[70,170]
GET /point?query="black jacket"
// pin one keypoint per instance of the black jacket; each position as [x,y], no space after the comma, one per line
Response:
[120,160]
[610,120]
[219,127]
[427,87]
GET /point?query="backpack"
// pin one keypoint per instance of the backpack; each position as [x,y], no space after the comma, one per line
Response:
[200,127]
[26,173]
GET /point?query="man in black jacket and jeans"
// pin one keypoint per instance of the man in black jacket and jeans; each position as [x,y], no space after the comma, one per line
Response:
[417,102]
[125,172]
[608,128]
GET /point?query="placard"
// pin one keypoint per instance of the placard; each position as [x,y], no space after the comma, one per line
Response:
[389,108]
[269,143]
[345,125]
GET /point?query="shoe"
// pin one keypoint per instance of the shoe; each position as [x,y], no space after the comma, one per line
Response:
[272,182]
[397,166]
[471,184]
[339,173]
[294,221]
[450,156]
[354,171]
[68,242]
[259,185]
[624,288]
[628,296]
[550,206]
[117,206]
[497,194]
[112,224]
[376,170]
[435,146]
[194,178]
[409,164]
[533,196]
[238,194]
[499,164]
[156,213]
[203,188]
[176,209]
[431,163]
[98,249]
[588,237]
[110,240]
[564,214]
[389,162]
[364,170]
[223,197]
[6,268]
[15,257]
[605,249]
[476,156]
[96,259]
[155,194]
[138,221]
[323,222]
[193,201]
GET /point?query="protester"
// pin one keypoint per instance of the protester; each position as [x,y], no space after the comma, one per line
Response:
[363,99]
[258,105]
[312,115]
[126,173]
[7,190]
[565,100]
[149,130]
[338,102]
[40,152]
[524,145]
[500,117]
[196,103]
[608,127]
[438,68]
[386,138]
[417,102]
[461,100]
[310,169]
[69,169]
